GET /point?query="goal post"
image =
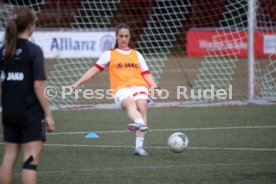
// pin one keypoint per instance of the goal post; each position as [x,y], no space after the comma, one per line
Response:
[251,59]
[198,51]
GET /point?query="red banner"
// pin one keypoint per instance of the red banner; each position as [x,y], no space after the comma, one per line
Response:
[229,43]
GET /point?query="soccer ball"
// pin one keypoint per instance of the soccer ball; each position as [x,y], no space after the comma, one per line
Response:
[177,142]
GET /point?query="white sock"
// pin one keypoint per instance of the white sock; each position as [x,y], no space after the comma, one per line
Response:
[139,142]
[139,120]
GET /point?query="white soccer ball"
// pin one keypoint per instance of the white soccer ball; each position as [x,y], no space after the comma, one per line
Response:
[177,142]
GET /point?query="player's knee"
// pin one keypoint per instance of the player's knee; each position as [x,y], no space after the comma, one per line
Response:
[28,164]
[130,107]
[142,110]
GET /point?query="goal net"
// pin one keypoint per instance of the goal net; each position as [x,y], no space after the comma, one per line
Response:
[196,50]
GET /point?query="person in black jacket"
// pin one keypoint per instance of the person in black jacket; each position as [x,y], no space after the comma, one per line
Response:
[25,109]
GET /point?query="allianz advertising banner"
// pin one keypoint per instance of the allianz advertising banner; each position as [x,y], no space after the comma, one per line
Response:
[72,44]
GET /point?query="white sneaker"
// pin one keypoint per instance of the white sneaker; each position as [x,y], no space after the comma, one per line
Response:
[140,152]
[137,126]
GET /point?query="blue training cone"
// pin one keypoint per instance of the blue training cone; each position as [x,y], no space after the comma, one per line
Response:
[91,135]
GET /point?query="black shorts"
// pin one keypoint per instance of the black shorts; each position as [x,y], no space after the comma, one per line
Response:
[24,131]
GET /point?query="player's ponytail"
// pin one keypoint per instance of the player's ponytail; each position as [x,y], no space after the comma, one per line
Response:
[21,18]
[10,40]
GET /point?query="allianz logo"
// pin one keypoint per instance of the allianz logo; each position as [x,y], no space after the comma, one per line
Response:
[12,76]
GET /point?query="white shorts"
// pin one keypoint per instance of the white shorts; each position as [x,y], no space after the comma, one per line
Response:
[134,92]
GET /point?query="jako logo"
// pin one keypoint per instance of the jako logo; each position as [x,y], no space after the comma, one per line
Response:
[131,65]
[14,76]
[126,65]
[119,66]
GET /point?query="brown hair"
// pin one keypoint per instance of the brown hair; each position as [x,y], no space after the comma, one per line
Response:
[118,28]
[20,19]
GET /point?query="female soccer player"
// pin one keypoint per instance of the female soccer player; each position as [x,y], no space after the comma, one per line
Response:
[25,108]
[130,80]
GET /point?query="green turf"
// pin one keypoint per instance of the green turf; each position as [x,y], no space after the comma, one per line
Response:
[110,158]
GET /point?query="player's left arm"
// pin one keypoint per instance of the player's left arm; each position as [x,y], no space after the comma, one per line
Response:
[150,80]
[39,77]
[147,74]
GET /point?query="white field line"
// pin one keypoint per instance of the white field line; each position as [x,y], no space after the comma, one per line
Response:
[155,147]
[163,130]
[160,147]
[166,130]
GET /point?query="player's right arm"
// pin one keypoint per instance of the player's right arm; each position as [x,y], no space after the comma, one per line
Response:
[92,72]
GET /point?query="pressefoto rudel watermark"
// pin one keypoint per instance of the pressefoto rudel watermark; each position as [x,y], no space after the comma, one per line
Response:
[204,94]
[182,93]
